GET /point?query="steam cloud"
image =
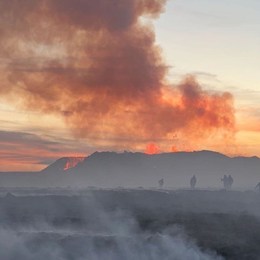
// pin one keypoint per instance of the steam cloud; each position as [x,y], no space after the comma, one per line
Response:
[127,245]
[106,234]
[96,64]
[128,224]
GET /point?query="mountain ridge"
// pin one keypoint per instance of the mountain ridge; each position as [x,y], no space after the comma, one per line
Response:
[109,154]
[134,169]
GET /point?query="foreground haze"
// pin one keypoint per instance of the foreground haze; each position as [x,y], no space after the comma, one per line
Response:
[129,224]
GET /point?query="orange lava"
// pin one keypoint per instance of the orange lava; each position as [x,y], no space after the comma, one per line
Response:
[73,162]
[152,149]
[174,149]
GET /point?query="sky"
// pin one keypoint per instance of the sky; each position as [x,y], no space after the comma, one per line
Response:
[150,77]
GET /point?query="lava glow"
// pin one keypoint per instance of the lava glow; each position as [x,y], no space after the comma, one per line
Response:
[152,149]
[73,162]
[174,149]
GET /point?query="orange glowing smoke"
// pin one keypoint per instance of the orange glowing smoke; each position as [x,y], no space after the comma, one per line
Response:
[97,65]
[72,162]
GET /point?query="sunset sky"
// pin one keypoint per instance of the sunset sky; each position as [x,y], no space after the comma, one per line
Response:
[127,75]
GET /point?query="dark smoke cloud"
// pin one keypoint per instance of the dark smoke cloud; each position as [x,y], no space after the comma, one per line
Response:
[96,64]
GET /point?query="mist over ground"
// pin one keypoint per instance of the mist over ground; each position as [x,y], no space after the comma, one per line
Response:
[129,224]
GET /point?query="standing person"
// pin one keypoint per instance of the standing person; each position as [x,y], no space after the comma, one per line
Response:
[193,182]
[161,182]
[225,181]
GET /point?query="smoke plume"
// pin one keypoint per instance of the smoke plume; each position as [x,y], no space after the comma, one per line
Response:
[96,63]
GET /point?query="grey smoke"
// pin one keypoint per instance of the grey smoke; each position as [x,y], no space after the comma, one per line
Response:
[111,234]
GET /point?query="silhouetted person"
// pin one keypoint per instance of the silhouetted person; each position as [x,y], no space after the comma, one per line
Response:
[257,187]
[161,182]
[230,181]
[225,181]
[193,182]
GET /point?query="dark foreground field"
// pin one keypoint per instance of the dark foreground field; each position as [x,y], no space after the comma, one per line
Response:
[129,224]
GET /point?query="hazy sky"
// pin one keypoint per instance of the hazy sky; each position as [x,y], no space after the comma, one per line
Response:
[217,41]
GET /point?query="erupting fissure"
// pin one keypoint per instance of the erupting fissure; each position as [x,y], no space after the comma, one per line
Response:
[72,162]
[152,149]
